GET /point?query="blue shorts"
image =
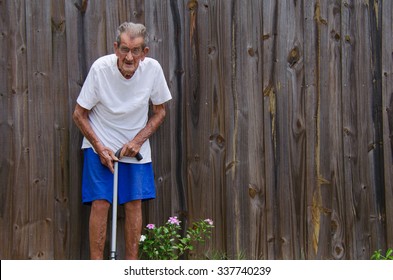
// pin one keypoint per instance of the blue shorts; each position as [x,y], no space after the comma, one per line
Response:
[135,182]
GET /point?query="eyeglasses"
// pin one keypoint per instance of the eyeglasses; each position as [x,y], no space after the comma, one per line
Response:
[134,51]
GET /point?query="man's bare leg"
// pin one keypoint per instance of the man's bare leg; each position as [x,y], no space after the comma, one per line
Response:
[97,228]
[133,228]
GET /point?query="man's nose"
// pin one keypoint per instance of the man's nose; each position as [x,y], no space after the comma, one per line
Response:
[129,56]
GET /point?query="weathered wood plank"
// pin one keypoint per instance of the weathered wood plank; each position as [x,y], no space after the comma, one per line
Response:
[374,151]
[207,105]
[136,12]
[41,131]
[59,89]
[75,75]
[296,115]
[175,77]
[94,31]
[175,74]
[6,132]
[205,142]
[224,126]
[330,173]
[323,192]
[363,79]
[200,172]
[13,123]
[250,81]
[310,233]
[159,210]
[349,122]
[117,12]
[210,153]
[269,51]
[284,139]
[358,121]
[198,116]
[387,113]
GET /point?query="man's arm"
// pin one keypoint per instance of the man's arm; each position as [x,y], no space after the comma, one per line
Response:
[132,148]
[81,119]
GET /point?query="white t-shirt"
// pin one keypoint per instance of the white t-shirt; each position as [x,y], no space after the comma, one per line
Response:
[119,106]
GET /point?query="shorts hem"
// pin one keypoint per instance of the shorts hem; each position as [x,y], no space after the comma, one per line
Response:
[143,198]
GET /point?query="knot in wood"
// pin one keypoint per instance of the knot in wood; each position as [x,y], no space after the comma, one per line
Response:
[252,190]
[218,139]
[192,5]
[293,56]
[251,51]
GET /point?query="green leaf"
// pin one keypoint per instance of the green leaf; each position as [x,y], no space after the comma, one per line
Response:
[389,252]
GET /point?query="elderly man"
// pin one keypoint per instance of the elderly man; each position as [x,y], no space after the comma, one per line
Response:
[112,113]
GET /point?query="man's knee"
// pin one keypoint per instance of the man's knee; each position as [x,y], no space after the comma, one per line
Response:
[100,206]
[134,205]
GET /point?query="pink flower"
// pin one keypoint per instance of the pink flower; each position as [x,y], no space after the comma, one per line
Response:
[209,221]
[174,220]
[151,226]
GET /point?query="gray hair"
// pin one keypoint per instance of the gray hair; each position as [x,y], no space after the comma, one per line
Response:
[132,29]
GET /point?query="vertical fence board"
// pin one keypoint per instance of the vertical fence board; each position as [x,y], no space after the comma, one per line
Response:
[61,132]
[197,113]
[331,153]
[241,91]
[373,46]
[358,117]
[94,30]
[41,130]
[21,170]
[296,116]
[199,133]
[136,12]
[348,128]
[251,83]
[161,208]
[218,140]
[177,109]
[310,198]
[387,111]
[363,78]
[6,132]
[269,25]
[14,134]
[328,59]
[75,76]
[225,120]
[324,189]
[284,139]
[116,12]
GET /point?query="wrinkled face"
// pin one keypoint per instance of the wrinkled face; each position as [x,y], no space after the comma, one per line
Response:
[130,52]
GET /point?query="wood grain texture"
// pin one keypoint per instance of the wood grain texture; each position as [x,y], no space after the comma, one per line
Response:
[279,128]
[270,225]
[75,75]
[387,116]
[61,132]
[14,220]
[40,188]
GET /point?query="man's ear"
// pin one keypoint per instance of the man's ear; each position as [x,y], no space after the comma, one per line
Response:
[115,47]
[145,52]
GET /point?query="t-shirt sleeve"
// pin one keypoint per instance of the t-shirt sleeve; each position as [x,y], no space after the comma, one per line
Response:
[88,96]
[160,93]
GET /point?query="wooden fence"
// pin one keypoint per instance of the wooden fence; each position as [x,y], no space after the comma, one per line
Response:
[279,128]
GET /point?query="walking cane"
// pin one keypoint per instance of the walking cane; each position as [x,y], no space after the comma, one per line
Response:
[114,203]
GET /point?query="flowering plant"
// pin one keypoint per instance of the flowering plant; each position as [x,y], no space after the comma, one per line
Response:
[166,243]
